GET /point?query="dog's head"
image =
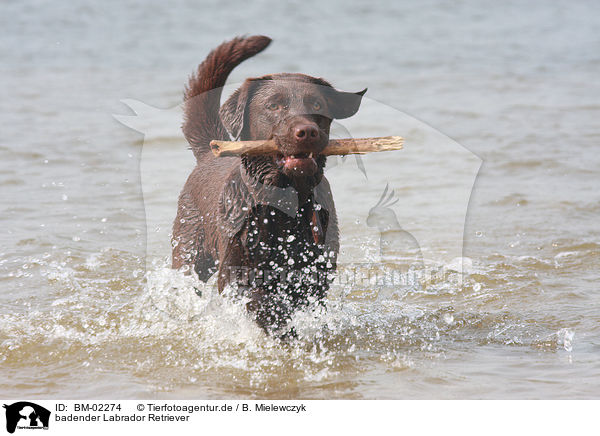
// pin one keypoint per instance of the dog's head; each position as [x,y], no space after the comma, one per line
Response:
[296,111]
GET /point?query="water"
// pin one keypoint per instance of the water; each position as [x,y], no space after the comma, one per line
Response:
[88,308]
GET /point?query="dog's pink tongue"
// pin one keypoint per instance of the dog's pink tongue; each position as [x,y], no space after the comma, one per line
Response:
[300,164]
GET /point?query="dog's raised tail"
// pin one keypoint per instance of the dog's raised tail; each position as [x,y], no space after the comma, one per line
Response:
[203,93]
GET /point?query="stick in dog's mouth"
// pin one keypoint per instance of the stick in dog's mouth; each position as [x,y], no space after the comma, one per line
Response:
[335,147]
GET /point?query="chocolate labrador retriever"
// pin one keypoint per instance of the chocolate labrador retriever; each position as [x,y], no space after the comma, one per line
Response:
[267,224]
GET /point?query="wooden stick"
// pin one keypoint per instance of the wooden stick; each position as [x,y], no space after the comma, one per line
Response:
[335,146]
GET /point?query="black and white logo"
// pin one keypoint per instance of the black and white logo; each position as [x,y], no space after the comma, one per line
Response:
[26,415]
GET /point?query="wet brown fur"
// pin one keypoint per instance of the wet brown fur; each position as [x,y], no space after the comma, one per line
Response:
[227,217]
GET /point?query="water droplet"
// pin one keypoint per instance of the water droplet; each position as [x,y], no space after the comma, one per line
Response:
[567,336]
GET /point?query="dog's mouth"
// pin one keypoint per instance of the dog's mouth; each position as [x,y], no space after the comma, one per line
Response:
[298,163]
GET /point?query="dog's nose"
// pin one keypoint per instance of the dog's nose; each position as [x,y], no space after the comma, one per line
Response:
[305,132]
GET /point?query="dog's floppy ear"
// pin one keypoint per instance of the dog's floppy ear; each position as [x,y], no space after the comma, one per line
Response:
[344,104]
[233,111]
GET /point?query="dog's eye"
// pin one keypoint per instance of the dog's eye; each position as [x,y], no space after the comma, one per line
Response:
[317,106]
[273,106]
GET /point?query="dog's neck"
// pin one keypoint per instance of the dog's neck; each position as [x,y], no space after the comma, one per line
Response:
[260,173]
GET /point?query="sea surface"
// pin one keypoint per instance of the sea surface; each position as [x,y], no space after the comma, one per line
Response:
[498,190]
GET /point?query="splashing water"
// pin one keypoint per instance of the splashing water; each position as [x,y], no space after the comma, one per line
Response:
[172,333]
